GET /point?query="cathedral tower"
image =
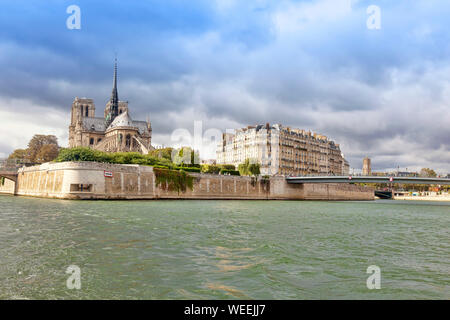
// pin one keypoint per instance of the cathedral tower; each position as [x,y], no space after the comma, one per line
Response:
[115,131]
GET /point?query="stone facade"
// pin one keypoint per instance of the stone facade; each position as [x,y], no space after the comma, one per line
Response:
[367,168]
[282,150]
[115,132]
[87,180]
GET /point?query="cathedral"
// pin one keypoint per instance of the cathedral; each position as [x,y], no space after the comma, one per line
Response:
[114,132]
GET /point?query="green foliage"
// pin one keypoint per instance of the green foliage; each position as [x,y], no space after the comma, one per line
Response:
[160,167]
[128,157]
[168,176]
[77,154]
[219,169]
[265,181]
[254,169]
[165,153]
[21,155]
[227,166]
[210,168]
[87,154]
[173,180]
[186,157]
[249,169]
[46,153]
[41,148]
[229,172]
[189,169]
[427,173]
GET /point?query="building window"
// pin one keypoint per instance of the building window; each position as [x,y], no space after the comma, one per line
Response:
[91,141]
[87,111]
[99,139]
[128,140]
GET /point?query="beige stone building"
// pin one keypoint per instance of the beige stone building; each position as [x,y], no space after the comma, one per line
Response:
[283,150]
[114,132]
[367,167]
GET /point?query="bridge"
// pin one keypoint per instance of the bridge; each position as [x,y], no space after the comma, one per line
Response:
[368,179]
[11,175]
[9,168]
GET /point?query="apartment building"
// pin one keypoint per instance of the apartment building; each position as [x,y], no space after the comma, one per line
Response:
[282,150]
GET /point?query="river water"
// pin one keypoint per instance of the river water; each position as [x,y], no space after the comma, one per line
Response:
[223,249]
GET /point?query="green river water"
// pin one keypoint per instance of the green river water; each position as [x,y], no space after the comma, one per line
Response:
[223,249]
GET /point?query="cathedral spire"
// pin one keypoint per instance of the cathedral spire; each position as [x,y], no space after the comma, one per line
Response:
[114,90]
[114,101]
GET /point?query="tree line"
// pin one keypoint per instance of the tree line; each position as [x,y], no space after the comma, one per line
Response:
[45,148]
[40,149]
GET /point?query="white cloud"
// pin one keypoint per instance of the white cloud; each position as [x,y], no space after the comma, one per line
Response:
[309,64]
[295,17]
[21,119]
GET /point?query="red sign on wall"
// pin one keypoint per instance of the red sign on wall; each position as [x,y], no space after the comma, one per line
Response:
[108,174]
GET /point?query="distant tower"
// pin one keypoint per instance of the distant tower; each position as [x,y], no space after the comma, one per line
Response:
[367,169]
[114,100]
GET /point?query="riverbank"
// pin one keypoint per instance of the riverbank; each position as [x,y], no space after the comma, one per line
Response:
[424,198]
[93,180]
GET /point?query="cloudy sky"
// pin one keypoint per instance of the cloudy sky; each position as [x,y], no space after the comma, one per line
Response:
[310,64]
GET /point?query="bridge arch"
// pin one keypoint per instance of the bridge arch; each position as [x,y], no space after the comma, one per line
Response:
[9,175]
[8,183]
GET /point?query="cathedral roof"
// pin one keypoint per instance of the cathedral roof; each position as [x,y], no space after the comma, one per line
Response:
[98,124]
[141,125]
[122,120]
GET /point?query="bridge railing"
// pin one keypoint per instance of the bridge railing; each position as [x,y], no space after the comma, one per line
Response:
[369,179]
[393,174]
[13,164]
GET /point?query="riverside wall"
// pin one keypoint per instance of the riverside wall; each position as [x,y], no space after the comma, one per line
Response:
[87,180]
[7,187]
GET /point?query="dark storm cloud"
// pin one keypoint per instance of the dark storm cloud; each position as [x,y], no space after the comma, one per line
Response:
[309,64]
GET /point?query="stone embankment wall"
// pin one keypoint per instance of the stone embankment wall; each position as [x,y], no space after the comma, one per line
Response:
[87,180]
[7,187]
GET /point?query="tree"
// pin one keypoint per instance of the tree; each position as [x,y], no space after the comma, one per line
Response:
[41,148]
[165,153]
[210,168]
[47,152]
[249,168]
[20,155]
[427,173]
[37,142]
[186,156]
